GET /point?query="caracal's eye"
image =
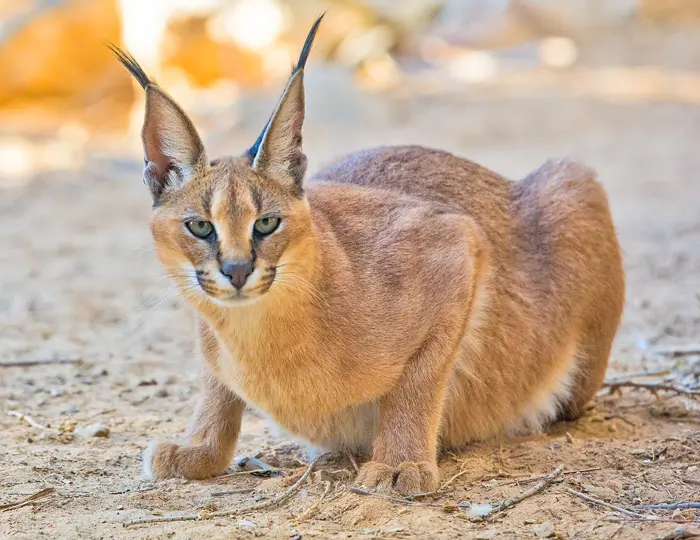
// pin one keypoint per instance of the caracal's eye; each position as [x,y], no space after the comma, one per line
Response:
[200,228]
[266,225]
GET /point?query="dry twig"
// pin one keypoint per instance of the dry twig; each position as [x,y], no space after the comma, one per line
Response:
[29,420]
[608,505]
[541,476]
[232,511]
[27,500]
[44,362]
[231,492]
[651,386]
[541,486]
[678,350]
[354,462]
[668,506]
[404,502]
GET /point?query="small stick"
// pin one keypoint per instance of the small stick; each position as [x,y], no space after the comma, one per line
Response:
[669,506]
[233,511]
[162,519]
[254,472]
[33,497]
[608,505]
[354,462]
[540,477]
[539,487]
[44,362]
[678,350]
[29,420]
[231,492]
[655,519]
[654,387]
[446,484]
[635,375]
[404,502]
[274,501]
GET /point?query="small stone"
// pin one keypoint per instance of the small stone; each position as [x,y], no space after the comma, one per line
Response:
[120,507]
[569,438]
[67,426]
[55,392]
[480,510]
[246,523]
[544,530]
[488,534]
[147,382]
[162,392]
[692,468]
[93,430]
[70,409]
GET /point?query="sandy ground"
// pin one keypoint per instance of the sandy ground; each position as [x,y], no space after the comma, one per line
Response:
[80,282]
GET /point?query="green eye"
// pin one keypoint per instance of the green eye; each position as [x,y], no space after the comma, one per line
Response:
[200,228]
[266,225]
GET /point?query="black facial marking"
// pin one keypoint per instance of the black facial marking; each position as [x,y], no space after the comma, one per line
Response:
[257,198]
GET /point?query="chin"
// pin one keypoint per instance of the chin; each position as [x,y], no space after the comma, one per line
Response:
[235,300]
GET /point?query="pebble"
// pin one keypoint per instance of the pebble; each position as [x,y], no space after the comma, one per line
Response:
[489,534]
[93,430]
[480,510]
[69,409]
[545,530]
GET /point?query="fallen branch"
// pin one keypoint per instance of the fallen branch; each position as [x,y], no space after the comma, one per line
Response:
[540,477]
[29,420]
[541,486]
[669,506]
[675,351]
[231,492]
[44,362]
[27,500]
[404,502]
[233,511]
[652,387]
[608,505]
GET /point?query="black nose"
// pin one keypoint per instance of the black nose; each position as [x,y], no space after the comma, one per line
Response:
[237,272]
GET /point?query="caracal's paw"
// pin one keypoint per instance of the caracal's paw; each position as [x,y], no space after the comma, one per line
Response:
[408,478]
[171,460]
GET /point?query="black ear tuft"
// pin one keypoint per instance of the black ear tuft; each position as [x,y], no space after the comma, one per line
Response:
[130,63]
[300,65]
[306,49]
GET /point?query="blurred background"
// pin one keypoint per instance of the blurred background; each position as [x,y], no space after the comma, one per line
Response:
[62,95]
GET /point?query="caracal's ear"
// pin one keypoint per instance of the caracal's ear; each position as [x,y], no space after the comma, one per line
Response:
[278,150]
[173,152]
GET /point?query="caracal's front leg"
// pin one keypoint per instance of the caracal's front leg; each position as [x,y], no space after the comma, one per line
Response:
[213,430]
[404,453]
[211,441]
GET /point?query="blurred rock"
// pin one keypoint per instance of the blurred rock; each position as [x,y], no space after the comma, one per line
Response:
[56,65]
[678,12]
[93,430]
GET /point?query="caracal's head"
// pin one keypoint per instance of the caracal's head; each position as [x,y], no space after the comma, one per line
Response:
[227,230]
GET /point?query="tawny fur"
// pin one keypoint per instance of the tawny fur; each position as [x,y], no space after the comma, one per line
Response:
[410,301]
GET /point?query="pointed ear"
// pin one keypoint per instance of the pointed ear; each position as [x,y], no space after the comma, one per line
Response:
[280,153]
[278,150]
[173,151]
